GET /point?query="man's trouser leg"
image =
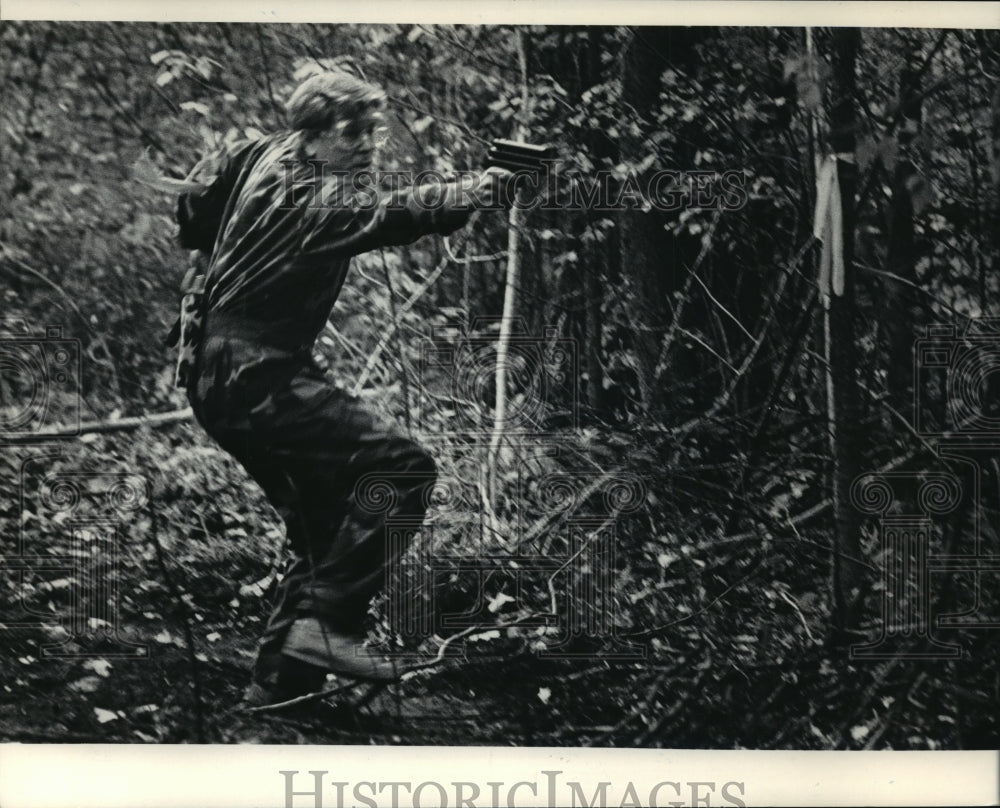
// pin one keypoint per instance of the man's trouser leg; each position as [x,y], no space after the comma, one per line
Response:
[308,445]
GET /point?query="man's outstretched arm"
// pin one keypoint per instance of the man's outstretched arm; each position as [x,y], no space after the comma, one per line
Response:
[405,215]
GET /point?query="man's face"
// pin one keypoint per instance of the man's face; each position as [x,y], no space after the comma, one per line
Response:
[351,145]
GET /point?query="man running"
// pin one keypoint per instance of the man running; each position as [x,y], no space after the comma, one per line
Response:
[279,241]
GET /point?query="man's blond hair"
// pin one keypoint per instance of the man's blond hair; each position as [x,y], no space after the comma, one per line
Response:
[327,98]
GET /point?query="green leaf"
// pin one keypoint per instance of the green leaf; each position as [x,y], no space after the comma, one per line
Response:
[88,684]
[921,193]
[888,149]
[864,153]
[793,64]
[195,106]
[420,125]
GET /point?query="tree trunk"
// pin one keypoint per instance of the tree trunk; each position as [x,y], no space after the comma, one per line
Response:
[650,255]
[843,353]
[903,308]
[597,274]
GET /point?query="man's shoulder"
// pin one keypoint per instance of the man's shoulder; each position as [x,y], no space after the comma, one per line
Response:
[275,146]
[233,156]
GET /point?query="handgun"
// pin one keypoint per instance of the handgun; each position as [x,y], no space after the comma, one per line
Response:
[520,157]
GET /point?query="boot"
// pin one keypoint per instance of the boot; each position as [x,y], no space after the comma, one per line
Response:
[295,678]
[313,641]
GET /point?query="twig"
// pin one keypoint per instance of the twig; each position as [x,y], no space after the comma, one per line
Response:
[713,298]
[403,374]
[698,340]
[267,74]
[876,736]
[768,411]
[104,89]
[472,259]
[791,602]
[387,336]
[706,243]
[542,525]
[594,534]
[320,695]
[571,677]
[880,401]
[492,521]
[652,632]
[515,217]
[481,57]
[821,506]
[308,698]
[912,285]
[680,432]
[101,427]
[465,632]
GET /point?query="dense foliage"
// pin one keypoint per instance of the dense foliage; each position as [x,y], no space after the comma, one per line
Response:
[677,372]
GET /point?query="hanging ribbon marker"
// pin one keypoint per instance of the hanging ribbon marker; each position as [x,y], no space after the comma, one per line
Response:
[828,227]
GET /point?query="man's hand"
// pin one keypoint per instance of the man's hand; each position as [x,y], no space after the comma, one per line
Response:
[497,171]
[494,181]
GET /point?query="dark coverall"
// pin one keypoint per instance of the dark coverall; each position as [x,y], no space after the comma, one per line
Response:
[279,256]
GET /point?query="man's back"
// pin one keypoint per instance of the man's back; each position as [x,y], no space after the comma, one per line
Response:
[287,228]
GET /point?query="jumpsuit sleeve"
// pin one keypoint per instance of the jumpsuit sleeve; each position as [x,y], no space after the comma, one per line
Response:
[390,220]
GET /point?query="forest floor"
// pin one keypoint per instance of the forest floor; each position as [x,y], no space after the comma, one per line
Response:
[192,579]
[486,698]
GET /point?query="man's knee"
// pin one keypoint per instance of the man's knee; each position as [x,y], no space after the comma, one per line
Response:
[412,458]
[406,468]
